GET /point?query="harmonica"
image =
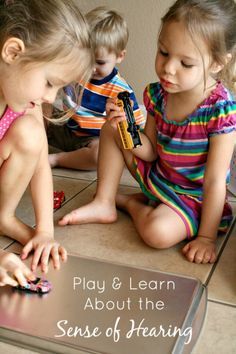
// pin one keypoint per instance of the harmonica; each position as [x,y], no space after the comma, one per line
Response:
[129,130]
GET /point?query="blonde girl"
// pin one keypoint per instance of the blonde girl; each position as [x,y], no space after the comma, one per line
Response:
[44,46]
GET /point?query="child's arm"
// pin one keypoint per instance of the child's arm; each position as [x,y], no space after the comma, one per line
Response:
[43,242]
[147,151]
[13,271]
[202,249]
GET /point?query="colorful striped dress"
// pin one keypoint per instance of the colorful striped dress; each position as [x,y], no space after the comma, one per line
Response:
[176,177]
[91,114]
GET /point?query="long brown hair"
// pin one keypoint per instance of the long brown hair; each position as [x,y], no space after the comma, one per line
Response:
[214,22]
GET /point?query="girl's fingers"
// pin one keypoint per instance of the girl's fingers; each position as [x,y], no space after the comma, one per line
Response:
[26,250]
[36,257]
[213,257]
[5,279]
[18,274]
[63,253]
[55,257]
[45,258]
[186,248]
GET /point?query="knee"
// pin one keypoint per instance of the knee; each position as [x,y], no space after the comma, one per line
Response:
[4,218]
[156,235]
[29,136]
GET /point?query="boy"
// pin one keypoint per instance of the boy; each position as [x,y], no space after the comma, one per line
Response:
[79,137]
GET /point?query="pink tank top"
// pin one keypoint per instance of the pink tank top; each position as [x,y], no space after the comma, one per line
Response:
[7,119]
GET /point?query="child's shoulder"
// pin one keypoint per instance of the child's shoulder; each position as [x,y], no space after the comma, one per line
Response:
[121,82]
[154,89]
[154,94]
[221,102]
[220,95]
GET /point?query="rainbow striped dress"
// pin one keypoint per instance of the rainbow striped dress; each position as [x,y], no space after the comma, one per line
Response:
[176,177]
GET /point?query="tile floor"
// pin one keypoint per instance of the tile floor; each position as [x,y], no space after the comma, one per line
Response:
[119,242]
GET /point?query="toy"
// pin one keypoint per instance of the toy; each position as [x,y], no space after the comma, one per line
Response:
[128,129]
[41,286]
[58,199]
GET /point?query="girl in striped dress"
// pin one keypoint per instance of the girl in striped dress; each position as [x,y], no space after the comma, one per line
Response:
[183,163]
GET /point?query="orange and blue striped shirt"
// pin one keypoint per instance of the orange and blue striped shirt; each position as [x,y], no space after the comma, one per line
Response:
[90,116]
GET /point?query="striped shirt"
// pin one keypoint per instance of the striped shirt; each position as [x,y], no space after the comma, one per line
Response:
[176,177]
[91,114]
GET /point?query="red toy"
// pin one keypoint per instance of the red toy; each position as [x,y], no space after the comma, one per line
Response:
[58,198]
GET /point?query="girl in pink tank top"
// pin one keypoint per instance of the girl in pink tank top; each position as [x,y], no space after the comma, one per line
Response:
[35,63]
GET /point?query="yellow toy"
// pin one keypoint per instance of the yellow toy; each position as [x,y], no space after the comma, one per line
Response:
[129,130]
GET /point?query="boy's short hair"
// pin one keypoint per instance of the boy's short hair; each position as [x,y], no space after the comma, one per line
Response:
[108,29]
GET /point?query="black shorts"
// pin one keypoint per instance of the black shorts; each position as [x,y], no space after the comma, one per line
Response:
[62,138]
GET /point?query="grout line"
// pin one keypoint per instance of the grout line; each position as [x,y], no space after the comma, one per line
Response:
[218,302]
[77,179]
[74,196]
[10,244]
[227,236]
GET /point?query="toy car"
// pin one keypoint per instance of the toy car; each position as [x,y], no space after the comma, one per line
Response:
[41,286]
[129,130]
[58,199]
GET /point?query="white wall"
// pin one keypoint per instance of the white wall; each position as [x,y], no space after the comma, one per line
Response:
[143,18]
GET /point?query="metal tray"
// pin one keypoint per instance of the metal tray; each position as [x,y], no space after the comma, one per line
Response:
[135,310]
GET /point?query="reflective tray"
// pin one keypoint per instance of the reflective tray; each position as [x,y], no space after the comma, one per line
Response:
[100,307]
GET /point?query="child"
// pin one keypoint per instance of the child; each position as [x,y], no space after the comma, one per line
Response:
[79,138]
[183,164]
[42,43]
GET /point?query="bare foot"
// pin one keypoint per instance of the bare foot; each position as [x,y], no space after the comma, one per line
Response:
[94,212]
[124,200]
[52,158]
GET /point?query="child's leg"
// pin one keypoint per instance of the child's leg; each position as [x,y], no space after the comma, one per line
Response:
[110,166]
[159,227]
[84,158]
[19,152]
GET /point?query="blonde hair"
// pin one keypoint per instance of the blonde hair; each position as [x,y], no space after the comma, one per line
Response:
[213,22]
[108,29]
[50,30]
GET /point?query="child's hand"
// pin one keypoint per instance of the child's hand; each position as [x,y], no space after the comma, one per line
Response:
[114,113]
[200,250]
[13,271]
[44,247]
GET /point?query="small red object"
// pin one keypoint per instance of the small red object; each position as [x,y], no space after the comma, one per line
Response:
[58,198]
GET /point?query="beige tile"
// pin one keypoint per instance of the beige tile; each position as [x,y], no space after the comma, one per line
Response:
[218,335]
[66,172]
[14,247]
[69,186]
[119,242]
[231,196]
[11,349]
[233,205]
[127,179]
[222,286]
[5,241]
